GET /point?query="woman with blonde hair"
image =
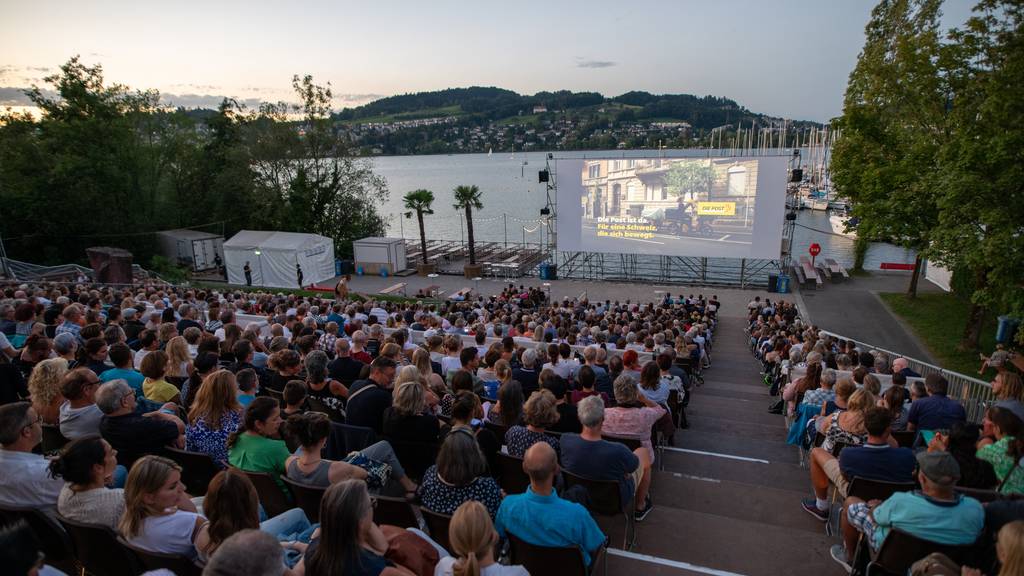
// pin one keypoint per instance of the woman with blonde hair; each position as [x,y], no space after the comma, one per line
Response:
[412,373]
[44,388]
[421,360]
[214,415]
[847,426]
[472,538]
[407,419]
[158,515]
[179,361]
[1008,386]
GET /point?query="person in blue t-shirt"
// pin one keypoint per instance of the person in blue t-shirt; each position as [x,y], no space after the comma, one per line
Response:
[121,356]
[878,459]
[936,412]
[587,455]
[540,517]
[935,513]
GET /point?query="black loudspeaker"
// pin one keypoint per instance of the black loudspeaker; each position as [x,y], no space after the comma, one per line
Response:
[790,215]
[542,176]
[797,175]
[545,211]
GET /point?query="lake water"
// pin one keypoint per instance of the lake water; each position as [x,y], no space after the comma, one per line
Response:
[512,199]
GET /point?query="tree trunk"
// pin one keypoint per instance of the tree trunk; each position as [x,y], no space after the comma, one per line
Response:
[423,236]
[469,234]
[912,289]
[971,338]
[860,250]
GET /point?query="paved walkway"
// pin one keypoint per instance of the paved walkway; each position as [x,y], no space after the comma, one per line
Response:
[853,308]
[728,501]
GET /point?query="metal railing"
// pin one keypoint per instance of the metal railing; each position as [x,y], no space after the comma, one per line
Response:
[974,394]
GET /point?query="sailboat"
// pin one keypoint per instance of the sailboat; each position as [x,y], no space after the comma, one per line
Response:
[489,151]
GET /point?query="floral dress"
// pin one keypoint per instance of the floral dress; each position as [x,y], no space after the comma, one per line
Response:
[199,437]
[1004,464]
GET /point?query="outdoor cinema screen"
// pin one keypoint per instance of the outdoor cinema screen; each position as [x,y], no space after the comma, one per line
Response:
[715,207]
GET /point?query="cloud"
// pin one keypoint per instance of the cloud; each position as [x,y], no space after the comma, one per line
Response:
[15,96]
[210,101]
[357,98]
[580,63]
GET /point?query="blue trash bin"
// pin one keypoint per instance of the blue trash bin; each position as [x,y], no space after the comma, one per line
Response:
[1006,329]
[783,284]
[337,267]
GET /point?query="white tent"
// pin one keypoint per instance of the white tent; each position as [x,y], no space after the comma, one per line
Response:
[272,257]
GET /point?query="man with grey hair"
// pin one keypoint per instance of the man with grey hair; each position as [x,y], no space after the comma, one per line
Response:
[526,374]
[587,454]
[134,435]
[247,553]
[25,480]
[74,319]
[188,314]
[65,345]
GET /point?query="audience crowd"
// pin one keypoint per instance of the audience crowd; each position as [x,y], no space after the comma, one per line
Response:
[107,395]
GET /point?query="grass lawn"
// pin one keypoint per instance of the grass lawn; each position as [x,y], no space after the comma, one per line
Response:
[938,320]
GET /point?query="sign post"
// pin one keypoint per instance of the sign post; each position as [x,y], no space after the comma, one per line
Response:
[814,249]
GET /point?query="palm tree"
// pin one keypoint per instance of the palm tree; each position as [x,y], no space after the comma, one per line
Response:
[467,198]
[420,201]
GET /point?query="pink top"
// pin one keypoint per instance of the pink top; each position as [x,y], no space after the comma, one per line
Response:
[633,423]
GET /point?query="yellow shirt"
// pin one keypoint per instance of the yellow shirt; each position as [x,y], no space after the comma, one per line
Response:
[158,390]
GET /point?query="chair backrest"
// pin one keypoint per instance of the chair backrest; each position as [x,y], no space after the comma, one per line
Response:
[868,490]
[271,496]
[317,405]
[984,496]
[179,565]
[306,497]
[347,438]
[55,542]
[394,511]
[899,550]
[905,438]
[545,560]
[98,549]
[197,469]
[631,443]
[511,477]
[53,440]
[437,525]
[498,429]
[605,497]
[415,457]
[275,394]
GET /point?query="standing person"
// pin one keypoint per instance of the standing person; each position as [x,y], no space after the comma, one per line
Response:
[248,273]
[341,288]
[298,273]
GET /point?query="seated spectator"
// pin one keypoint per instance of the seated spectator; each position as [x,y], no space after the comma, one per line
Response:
[214,416]
[344,368]
[462,381]
[539,413]
[872,384]
[825,393]
[876,459]
[421,360]
[568,421]
[20,551]
[633,415]
[121,356]
[935,513]
[134,435]
[902,367]
[895,400]
[294,399]
[564,368]
[526,374]
[310,431]
[589,456]
[158,515]
[282,367]
[1005,449]
[473,541]
[962,443]
[936,411]
[318,385]
[245,355]
[256,446]
[587,378]
[459,475]
[232,505]
[407,419]
[846,427]
[25,480]
[87,467]
[44,388]
[652,385]
[368,399]
[508,410]
[540,517]
[79,416]
[247,553]
[179,361]
[631,365]
[1008,386]
[205,364]
[467,414]
[155,387]
[95,350]
[673,380]
[248,384]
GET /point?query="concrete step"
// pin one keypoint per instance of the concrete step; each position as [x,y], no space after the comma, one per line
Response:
[773,450]
[785,476]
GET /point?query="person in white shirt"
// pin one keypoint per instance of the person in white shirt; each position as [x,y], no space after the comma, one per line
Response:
[79,415]
[25,481]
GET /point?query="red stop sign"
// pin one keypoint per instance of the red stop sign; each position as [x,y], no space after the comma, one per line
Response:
[815,249]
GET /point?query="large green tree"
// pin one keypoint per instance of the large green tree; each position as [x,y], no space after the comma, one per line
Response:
[419,201]
[981,223]
[467,198]
[894,123]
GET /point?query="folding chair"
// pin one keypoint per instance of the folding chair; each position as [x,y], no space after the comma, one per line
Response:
[178,565]
[98,550]
[53,540]
[306,497]
[511,477]
[606,500]
[415,457]
[53,440]
[899,551]
[274,500]
[197,469]
[555,561]
[394,511]
[437,525]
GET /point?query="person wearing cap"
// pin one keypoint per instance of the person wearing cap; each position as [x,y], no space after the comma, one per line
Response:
[936,512]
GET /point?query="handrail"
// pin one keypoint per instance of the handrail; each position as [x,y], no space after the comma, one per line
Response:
[973,393]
